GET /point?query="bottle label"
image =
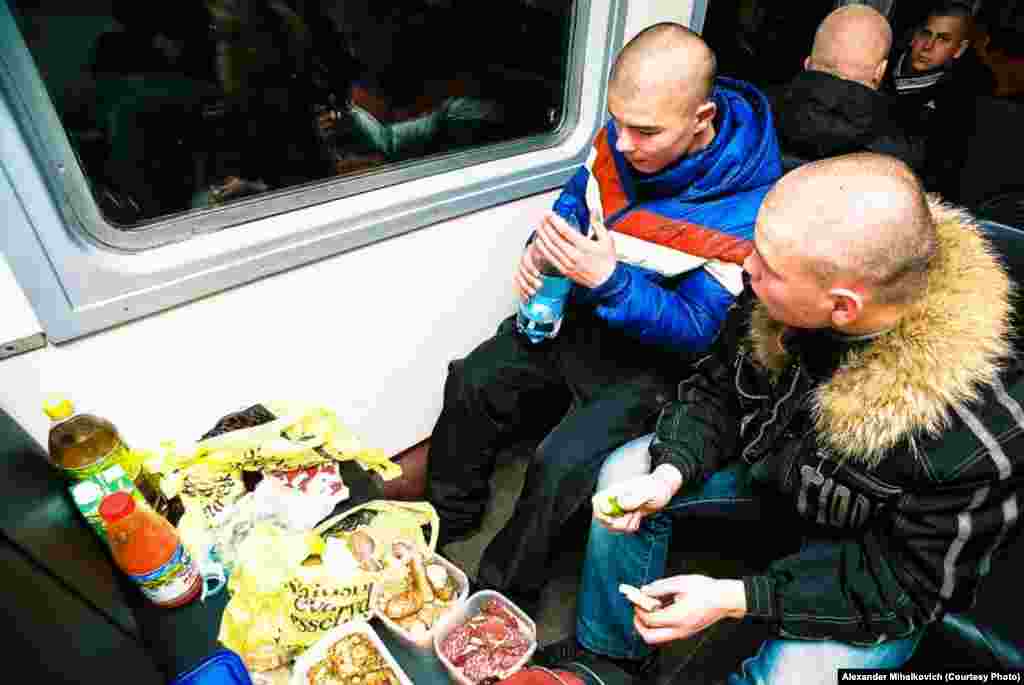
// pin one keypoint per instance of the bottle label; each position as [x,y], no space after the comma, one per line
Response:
[172,581]
[90,492]
[118,455]
[541,316]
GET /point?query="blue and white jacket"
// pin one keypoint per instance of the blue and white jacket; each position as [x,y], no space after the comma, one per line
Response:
[681,234]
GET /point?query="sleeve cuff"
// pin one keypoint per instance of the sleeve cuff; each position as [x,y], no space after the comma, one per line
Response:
[760,592]
[615,283]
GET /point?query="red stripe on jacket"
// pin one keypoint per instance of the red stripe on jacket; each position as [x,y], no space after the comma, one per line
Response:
[684,236]
[613,194]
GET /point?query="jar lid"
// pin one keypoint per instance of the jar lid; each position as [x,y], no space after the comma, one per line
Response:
[58,407]
[116,506]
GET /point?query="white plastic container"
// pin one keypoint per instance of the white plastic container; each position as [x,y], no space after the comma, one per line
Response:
[471,608]
[316,653]
[425,642]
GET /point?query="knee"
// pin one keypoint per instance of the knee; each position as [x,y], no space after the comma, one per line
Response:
[629,461]
[557,470]
[467,378]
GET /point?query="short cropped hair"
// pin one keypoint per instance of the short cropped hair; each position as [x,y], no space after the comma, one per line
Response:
[657,35]
[952,8]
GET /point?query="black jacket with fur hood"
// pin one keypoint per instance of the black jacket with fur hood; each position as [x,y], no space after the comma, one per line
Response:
[902,455]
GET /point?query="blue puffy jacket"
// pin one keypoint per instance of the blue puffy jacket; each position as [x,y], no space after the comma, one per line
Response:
[681,234]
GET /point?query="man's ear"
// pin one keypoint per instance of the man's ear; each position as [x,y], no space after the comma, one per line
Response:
[847,307]
[807,63]
[964,44]
[880,72]
[706,115]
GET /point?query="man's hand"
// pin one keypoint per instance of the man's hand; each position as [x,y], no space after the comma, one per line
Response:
[696,603]
[587,261]
[637,497]
[527,277]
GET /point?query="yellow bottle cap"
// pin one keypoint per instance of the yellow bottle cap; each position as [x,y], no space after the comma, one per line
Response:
[58,407]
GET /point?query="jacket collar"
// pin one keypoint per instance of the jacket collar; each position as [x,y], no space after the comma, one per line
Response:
[901,386]
[743,155]
[907,81]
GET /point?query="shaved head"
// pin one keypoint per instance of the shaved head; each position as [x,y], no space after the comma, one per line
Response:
[857,219]
[665,57]
[852,43]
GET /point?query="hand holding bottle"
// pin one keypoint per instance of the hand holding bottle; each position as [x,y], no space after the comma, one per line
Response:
[528,276]
[586,260]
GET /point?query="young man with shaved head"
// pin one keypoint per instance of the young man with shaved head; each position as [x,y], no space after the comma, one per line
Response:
[864,398]
[666,201]
[834,106]
[936,80]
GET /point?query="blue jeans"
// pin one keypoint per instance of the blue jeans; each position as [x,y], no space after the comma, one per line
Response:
[604,622]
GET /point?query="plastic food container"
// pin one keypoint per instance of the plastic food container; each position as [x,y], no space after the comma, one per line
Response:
[223,667]
[425,643]
[316,653]
[471,608]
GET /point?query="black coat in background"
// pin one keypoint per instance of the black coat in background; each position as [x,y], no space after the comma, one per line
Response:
[819,115]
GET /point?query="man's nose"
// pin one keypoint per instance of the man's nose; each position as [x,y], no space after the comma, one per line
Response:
[929,44]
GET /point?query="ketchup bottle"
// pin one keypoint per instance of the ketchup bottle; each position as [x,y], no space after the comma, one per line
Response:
[147,548]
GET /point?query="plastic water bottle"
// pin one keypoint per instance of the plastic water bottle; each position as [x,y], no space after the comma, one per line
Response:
[540,317]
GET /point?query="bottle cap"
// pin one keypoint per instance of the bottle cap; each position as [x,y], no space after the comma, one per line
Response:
[58,407]
[116,506]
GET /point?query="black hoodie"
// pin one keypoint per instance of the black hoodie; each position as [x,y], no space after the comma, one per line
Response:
[819,115]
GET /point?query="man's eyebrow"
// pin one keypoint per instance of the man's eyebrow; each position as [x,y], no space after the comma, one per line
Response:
[643,127]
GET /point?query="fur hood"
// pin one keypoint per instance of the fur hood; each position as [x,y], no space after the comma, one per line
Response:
[903,384]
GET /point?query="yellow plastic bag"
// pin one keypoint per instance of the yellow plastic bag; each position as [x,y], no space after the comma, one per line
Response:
[301,436]
[255,621]
[321,597]
[386,522]
[288,588]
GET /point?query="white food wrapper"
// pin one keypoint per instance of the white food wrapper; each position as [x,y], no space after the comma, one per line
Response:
[306,496]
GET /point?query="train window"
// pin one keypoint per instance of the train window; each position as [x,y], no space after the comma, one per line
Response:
[156,153]
[186,117]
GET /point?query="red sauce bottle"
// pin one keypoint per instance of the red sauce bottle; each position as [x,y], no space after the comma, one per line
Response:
[147,548]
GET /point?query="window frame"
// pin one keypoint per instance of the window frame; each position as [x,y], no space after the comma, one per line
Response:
[108,276]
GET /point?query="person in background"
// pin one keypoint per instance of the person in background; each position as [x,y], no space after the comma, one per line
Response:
[925,73]
[834,106]
[936,80]
[863,398]
[676,177]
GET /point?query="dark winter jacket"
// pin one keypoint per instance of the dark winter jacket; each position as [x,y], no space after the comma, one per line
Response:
[819,115]
[902,455]
[938,107]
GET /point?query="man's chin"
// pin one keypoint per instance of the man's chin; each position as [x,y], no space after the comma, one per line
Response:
[637,166]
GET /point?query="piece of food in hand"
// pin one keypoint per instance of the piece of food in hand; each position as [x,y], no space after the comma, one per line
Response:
[639,598]
[610,506]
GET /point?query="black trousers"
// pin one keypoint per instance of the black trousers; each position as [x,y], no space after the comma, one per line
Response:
[587,392]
